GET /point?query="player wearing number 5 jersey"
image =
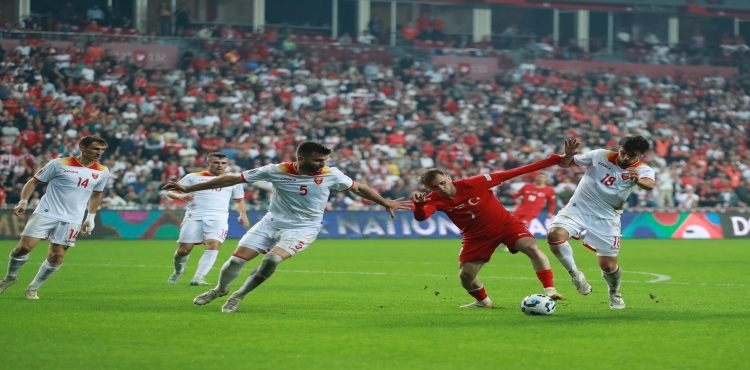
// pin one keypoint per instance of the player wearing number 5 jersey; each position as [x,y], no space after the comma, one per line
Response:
[72,184]
[596,207]
[205,219]
[484,223]
[298,200]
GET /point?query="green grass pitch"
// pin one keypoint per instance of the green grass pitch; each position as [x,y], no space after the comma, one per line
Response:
[378,304]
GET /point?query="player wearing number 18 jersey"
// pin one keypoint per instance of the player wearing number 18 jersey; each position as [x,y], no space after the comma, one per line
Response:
[596,207]
[298,200]
[484,223]
[205,219]
[72,184]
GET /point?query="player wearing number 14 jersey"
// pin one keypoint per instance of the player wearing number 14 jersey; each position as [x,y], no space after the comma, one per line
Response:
[72,184]
[596,206]
[294,219]
[484,223]
[205,219]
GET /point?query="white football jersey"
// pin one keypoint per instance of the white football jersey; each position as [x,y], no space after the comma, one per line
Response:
[605,186]
[212,204]
[70,185]
[298,201]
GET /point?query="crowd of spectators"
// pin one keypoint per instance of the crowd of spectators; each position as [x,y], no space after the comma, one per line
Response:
[385,122]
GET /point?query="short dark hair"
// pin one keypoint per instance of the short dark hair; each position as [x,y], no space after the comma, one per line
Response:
[307,148]
[637,143]
[219,155]
[86,141]
[430,175]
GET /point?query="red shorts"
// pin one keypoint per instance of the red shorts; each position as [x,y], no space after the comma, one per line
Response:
[525,218]
[481,249]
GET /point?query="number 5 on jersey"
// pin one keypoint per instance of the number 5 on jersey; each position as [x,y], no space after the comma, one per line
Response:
[303,190]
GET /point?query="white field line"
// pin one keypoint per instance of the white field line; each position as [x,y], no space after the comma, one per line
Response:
[658,278]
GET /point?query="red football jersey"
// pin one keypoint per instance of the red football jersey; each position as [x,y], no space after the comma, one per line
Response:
[534,199]
[475,209]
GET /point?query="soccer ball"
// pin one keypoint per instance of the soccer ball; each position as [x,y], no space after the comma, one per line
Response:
[537,305]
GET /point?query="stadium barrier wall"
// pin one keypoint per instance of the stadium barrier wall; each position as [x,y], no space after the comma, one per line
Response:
[165,224]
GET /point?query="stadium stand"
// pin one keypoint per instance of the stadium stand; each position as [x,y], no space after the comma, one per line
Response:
[387,118]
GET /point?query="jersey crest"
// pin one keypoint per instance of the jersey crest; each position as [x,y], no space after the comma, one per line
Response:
[625,176]
[95,175]
[318,180]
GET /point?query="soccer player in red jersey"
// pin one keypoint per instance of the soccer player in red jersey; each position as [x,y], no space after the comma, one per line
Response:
[534,197]
[484,223]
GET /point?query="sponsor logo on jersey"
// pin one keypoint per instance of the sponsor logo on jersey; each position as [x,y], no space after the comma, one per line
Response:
[287,179]
[605,166]
[318,180]
[70,171]
[95,175]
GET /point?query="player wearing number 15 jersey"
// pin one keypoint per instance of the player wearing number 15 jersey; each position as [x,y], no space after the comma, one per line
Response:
[298,200]
[484,223]
[205,219]
[596,207]
[72,184]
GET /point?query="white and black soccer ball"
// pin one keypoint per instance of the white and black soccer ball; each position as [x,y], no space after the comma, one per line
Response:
[538,305]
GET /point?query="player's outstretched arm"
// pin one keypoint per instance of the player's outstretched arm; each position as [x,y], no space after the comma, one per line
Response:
[491,180]
[390,205]
[187,198]
[219,182]
[571,149]
[26,192]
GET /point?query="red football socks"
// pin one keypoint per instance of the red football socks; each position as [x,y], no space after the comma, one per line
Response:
[479,294]
[545,276]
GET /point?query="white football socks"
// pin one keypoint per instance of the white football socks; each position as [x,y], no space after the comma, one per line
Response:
[180,262]
[613,279]
[15,263]
[564,254]
[206,263]
[45,272]
[230,271]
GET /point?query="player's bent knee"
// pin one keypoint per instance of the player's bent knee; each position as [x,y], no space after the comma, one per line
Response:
[557,234]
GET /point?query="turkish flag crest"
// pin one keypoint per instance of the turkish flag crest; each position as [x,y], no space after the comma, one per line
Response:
[95,175]
[625,176]
[139,57]
[464,68]
[318,180]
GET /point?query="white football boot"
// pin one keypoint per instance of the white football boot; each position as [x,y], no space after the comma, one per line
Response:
[6,282]
[175,277]
[478,304]
[31,293]
[233,303]
[581,284]
[615,301]
[208,296]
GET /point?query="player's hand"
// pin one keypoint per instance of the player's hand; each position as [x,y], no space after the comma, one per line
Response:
[174,185]
[392,205]
[633,175]
[187,198]
[419,198]
[244,221]
[87,227]
[19,210]
[571,147]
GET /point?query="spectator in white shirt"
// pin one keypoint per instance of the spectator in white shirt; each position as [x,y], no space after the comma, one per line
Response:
[688,199]
[366,38]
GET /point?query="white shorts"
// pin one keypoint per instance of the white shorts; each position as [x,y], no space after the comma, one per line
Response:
[56,231]
[197,231]
[602,234]
[263,236]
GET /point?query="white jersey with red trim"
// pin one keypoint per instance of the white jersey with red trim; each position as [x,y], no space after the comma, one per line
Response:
[298,201]
[212,204]
[69,187]
[605,186]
